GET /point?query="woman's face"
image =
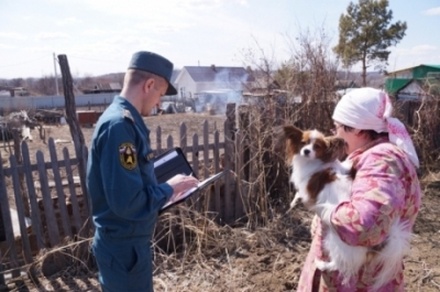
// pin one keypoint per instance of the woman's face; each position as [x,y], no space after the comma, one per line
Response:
[350,137]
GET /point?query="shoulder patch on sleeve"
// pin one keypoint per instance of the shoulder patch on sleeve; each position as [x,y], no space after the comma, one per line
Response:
[128,156]
[127,115]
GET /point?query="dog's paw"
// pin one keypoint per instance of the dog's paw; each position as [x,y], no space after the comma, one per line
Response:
[324,266]
[294,202]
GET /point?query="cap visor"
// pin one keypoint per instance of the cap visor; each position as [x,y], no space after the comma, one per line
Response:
[171,90]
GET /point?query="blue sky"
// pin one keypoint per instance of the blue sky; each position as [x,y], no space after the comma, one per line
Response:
[99,36]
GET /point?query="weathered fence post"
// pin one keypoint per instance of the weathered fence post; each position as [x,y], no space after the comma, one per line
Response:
[230,127]
[72,120]
[6,219]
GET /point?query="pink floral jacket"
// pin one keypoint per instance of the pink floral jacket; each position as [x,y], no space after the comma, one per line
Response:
[385,187]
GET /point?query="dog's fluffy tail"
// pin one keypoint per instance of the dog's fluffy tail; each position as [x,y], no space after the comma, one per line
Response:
[391,256]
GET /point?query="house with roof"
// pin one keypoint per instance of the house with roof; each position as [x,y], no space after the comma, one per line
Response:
[414,82]
[212,87]
[193,80]
[109,87]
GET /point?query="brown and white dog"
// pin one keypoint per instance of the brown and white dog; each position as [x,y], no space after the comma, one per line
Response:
[322,182]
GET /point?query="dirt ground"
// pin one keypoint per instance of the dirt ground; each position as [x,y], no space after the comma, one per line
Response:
[266,259]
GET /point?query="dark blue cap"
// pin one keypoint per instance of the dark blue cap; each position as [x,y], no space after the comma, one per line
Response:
[156,64]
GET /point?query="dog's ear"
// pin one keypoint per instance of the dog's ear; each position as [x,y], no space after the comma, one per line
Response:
[293,133]
[337,147]
[292,137]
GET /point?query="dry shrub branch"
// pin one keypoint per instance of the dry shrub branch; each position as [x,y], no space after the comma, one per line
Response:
[300,92]
[423,117]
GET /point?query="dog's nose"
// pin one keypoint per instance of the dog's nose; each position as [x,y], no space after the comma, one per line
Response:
[306,152]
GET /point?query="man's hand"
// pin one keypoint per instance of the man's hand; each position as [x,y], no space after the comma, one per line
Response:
[180,184]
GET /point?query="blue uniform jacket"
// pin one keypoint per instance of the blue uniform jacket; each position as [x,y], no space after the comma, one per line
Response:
[124,192]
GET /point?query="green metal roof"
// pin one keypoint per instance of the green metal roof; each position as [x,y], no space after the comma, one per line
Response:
[418,71]
[393,85]
[432,66]
[423,70]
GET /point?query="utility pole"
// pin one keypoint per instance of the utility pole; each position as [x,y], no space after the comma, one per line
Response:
[56,74]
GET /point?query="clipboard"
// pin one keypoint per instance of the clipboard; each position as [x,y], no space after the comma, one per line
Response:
[192,191]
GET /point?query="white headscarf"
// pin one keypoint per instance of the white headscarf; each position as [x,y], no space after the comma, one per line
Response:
[371,109]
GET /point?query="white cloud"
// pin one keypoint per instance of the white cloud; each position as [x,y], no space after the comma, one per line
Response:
[165,10]
[137,8]
[12,35]
[419,50]
[6,47]
[44,36]
[432,11]
[408,57]
[162,26]
[69,21]
[424,48]
[95,32]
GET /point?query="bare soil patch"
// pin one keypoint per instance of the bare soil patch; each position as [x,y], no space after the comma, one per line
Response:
[266,259]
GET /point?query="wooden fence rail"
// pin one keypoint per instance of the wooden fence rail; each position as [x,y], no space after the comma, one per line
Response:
[49,193]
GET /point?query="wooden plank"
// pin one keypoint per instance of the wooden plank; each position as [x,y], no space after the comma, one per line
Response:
[170,143]
[239,204]
[239,169]
[183,137]
[19,204]
[83,179]
[65,222]
[82,169]
[244,153]
[227,212]
[7,224]
[71,115]
[216,200]
[73,196]
[35,211]
[51,222]
[89,227]
[195,162]
[195,155]
[159,139]
[206,149]
[204,200]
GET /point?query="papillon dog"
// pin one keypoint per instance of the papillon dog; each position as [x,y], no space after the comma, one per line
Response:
[322,182]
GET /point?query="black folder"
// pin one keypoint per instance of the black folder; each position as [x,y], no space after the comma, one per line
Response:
[171,163]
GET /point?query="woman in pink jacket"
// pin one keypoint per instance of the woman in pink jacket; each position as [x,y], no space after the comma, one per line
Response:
[385,187]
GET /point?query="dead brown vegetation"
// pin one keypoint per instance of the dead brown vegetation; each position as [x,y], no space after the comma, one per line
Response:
[211,257]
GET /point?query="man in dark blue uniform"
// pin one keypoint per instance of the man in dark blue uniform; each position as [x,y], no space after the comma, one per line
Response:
[125,194]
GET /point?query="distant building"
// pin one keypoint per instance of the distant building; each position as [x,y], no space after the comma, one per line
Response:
[211,86]
[13,91]
[111,87]
[20,91]
[414,82]
[196,79]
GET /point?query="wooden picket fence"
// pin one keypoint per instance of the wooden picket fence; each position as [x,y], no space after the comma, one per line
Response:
[50,194]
